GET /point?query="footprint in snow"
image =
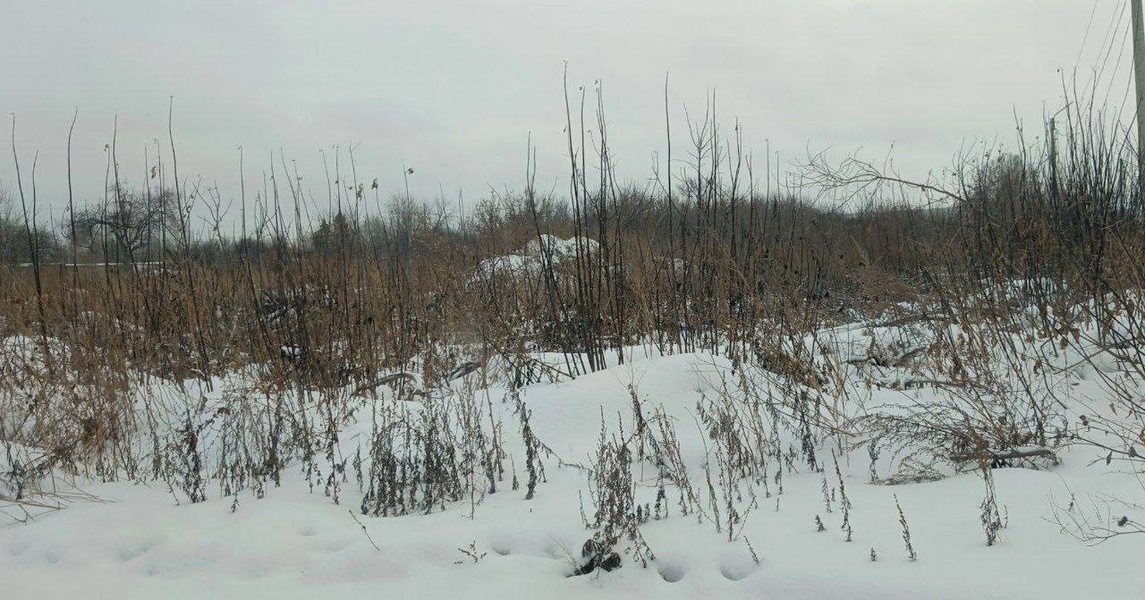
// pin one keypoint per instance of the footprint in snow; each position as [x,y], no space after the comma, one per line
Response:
[501,547]
[127,552]
[18,548]
[735,568]
[670,570]
[336,546]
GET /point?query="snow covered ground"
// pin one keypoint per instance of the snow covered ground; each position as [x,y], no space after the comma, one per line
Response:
[136,540]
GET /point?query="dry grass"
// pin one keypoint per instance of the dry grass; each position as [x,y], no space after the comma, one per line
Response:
[326,320]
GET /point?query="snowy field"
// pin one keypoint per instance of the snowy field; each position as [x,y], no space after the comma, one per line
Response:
[685,414]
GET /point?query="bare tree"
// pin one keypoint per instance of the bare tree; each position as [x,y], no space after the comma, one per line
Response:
[125,227]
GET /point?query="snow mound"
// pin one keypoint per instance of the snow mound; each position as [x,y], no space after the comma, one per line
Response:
[529,261]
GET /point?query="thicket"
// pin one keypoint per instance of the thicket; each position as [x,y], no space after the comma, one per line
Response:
[1009,255]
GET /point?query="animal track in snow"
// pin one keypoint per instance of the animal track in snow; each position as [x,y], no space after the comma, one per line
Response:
[671,571]
[129,551]
[19,547]
[736,568]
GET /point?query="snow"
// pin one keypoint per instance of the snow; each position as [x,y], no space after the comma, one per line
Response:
[143,540]
[294,545]
[529,261]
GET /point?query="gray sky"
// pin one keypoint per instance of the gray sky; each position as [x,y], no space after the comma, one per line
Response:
[453,88]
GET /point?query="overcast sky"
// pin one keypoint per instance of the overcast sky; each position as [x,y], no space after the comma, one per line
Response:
[453,88]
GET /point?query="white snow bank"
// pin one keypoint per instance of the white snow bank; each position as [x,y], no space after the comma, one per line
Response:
[297,544]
